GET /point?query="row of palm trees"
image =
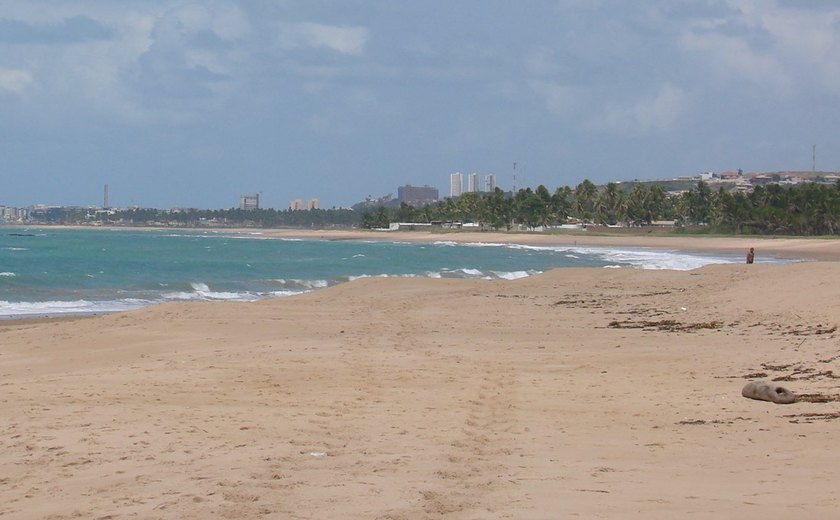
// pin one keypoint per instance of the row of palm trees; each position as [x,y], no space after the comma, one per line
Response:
[804,209]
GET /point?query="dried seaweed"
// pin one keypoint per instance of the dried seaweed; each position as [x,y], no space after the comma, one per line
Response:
[806,374]
[812,331]
[811,417]
[776,368]
[665,325]
[715,421]
[817,398]
[755,375]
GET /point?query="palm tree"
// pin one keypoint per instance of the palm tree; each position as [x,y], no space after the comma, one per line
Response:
[561,205]
[584,204]
[609,207]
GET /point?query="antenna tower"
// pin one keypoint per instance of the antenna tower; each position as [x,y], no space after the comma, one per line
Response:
[514,178]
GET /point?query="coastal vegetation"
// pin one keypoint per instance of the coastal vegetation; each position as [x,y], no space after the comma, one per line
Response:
[803,209]
[263,218]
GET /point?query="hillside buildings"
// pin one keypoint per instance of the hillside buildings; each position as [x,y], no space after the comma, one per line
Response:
[9,214]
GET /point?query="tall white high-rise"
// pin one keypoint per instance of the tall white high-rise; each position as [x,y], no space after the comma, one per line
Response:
[456,184]
[490,182]
[472,183]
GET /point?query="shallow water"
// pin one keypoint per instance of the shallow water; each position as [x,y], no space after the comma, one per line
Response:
[59,271]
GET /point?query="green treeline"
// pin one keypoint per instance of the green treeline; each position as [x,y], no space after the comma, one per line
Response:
[263,218]
[802,209]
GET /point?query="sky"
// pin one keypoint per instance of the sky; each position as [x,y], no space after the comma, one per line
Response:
[194,103]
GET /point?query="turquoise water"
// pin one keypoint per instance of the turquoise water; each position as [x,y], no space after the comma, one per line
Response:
[57,271]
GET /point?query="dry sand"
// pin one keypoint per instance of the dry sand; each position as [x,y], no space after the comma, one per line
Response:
[585,393]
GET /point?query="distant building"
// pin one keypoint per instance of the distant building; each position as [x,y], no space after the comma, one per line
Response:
[417,195]
[472,183]
[490,182]
[760,180]
[456,184]
[296,204]
[249,202]
[313,204]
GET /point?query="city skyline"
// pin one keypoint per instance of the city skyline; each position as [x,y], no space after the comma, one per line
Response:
[461,184]
[192,104]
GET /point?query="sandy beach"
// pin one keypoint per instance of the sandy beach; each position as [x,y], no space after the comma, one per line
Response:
[579,393]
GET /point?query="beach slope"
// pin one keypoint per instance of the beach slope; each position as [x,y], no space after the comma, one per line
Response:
[581,392]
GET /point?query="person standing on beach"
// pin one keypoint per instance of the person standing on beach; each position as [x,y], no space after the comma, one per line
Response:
[751,255]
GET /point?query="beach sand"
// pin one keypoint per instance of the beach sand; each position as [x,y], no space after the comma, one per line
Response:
[779,247]
[588,393]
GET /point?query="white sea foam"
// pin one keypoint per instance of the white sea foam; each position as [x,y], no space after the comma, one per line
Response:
[64,308]
[658,259]
[246,237]
[8,274]
[515,275]
[642,258]
[303,284]
[15,249]
[202,292]
[281,294]
[190,235]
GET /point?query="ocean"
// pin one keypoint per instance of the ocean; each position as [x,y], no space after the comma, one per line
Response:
[55,272]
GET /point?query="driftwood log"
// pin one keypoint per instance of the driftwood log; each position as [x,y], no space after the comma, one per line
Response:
[764,391]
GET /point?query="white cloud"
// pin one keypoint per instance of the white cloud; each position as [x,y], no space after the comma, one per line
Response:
[734,57]
[15,81]
[770,45]
[159,62]
[344,40]
[224,20]
[559,99]
[658,113]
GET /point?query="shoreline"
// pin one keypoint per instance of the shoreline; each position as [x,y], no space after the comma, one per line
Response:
[824,249]
[804,248]
[775,249]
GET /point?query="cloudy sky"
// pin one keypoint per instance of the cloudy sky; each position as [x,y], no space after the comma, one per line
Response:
[193,103]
